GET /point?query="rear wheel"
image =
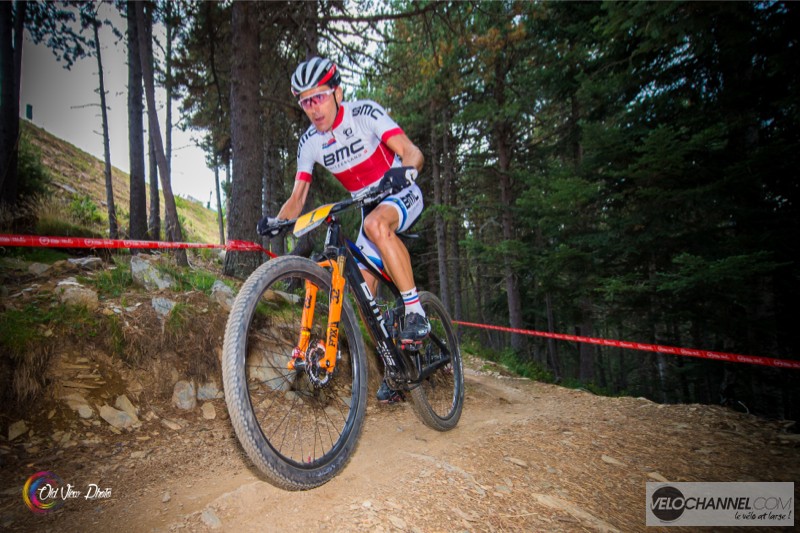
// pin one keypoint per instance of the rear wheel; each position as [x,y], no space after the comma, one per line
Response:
[439,399]
[301,426]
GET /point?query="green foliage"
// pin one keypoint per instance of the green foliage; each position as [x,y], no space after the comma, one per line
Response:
[84,210]
[112,282]
[189,279]
[39,255]
[118,345]
[526,369]
[572,383]
[51,224]
[176,320]
[32,174]
[20,329]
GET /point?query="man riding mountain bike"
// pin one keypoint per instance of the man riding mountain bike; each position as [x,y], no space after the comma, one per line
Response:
[363,148]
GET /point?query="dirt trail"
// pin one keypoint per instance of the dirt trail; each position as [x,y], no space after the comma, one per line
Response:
[525,457]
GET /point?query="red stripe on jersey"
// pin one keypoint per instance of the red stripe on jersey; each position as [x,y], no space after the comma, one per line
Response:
[391,133]
[369,171]
[339,118]
[303,176]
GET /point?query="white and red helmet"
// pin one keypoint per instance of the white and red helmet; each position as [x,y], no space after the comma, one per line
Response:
[313,73]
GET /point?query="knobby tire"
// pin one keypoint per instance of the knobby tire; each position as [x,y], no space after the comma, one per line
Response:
[439,399]
[298,435]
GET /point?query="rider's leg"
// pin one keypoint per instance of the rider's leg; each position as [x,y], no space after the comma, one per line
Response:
[380,227]
[372,281]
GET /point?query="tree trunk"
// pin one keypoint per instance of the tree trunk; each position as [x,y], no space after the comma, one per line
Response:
[10,73]
[452,227]
[154,220]
[173,228]
[138,189]
[273,176]
[113,232]
[246,186]
[168,82]
[511,278]
[552,349]
[439,222]
[586,351]
[220,217]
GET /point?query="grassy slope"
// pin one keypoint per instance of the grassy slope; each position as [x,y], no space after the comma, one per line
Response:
[75,168]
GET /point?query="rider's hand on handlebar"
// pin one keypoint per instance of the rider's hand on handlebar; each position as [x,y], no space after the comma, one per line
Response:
[398,178]
[268,227]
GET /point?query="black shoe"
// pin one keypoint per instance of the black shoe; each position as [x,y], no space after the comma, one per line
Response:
[389,396]
[416,328]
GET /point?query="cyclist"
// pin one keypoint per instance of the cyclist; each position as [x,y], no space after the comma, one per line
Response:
[363,148]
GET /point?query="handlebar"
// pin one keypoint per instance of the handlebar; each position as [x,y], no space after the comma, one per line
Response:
[363,198]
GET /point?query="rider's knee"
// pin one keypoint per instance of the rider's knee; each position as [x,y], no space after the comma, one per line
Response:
[376,229]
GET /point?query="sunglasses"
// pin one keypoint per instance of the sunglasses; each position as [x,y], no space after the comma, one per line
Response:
[315,99]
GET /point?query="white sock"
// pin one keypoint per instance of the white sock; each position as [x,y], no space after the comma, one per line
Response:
[411,300]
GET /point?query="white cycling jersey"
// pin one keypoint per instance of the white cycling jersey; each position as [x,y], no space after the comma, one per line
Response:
[354,150]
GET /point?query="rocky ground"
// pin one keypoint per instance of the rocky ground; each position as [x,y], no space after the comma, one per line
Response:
[154,438]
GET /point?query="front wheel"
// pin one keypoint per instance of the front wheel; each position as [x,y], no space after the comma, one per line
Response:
[299,426]
[439,398]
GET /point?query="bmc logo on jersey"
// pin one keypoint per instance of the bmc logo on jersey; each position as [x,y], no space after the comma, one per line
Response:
[368,109]
[343,153]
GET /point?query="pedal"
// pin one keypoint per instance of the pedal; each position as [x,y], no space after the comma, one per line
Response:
[410,346]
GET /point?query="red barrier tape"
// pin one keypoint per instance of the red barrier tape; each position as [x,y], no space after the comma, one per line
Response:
[81,242]
[245,246]
[704,354]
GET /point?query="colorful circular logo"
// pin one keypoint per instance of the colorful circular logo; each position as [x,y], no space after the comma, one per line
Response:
[42,492]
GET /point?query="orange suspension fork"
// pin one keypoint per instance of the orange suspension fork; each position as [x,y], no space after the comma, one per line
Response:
[335,314]
[331,346]
[306,321]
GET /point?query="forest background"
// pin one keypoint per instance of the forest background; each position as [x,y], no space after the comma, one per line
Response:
[618,170]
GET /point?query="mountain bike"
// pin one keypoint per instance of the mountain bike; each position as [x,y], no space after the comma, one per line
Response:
[294,361]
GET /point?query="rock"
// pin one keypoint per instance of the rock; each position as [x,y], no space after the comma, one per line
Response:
[587,519]
[209,413]
[397,522]
[184,395]
[147,275]
[209,391]
[166,497]
[37,269]
[66,187]
[657,477]
[16,429]
[163,306]
[84,411]
[210,518]
[89,263]
[74,399]
[281,297]
[125,404]
[170,424]
[117,419]
[222,294]
[79,296]
[610,460]
[518,462]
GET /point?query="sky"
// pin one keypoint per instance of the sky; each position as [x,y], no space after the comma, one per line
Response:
[66,103]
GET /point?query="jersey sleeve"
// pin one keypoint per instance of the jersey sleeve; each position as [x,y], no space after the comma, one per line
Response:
[375,118]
